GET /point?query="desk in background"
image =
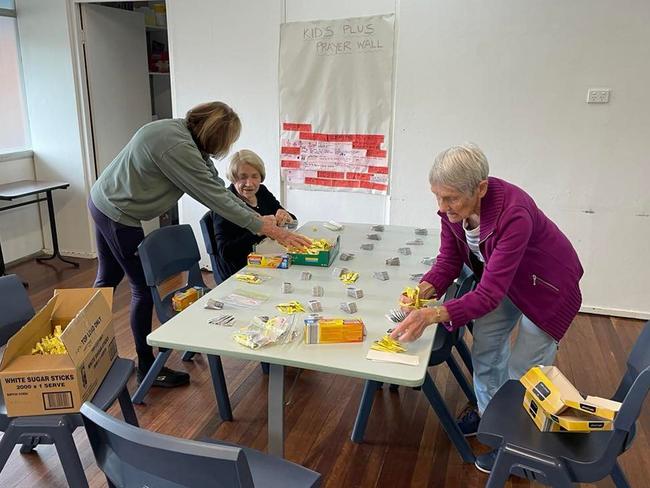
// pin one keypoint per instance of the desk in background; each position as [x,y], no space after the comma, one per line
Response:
[25,188]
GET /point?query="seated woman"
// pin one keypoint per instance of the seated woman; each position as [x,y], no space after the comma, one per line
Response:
[246,172]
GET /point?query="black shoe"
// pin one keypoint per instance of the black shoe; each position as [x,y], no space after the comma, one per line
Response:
[485,462]
[468,420]
[167,378]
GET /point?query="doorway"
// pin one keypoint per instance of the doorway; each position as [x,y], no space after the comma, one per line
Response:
[125,62]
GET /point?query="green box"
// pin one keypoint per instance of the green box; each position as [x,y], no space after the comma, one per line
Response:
[323,258]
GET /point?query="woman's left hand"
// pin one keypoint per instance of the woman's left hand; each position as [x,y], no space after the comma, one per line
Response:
[283,217]
[412,327]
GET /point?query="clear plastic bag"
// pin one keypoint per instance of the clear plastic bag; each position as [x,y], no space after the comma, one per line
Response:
[263,331]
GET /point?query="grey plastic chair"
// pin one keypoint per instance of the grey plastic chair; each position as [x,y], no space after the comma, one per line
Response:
[30,431]
[167,252]
[441,352]
[560,459]
[133,457]
[207,229]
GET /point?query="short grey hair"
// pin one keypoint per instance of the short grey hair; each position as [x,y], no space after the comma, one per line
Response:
[245,156]
[461,167]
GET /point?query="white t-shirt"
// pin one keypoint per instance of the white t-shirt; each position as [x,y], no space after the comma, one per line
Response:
[472,237]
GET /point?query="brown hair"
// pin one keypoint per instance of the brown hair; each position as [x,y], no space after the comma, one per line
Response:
[214,126]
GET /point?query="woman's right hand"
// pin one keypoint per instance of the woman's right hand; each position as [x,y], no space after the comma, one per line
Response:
[283,236]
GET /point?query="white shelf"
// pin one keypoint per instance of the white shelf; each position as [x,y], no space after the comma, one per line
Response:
[156,27]
[155,73]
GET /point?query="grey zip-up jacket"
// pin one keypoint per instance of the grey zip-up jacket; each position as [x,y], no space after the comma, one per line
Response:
[160,163]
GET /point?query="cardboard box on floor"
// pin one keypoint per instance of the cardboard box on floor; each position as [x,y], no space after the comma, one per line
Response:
[49,384]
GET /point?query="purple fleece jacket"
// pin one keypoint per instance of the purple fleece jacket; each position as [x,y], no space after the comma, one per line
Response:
[527,258]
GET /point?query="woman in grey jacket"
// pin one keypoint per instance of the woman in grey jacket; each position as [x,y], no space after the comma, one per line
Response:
[164,160]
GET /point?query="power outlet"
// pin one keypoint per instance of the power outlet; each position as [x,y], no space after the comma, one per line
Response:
[598,95]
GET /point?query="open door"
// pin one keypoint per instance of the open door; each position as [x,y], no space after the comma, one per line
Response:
[117,75]
[115,50]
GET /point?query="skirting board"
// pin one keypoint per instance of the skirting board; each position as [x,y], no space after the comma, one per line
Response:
[616,312]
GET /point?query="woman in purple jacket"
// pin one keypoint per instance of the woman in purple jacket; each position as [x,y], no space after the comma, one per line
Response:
[527,269]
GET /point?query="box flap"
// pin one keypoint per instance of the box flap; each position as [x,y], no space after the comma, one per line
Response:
[604,403]
[22,342]
[575,420]
[566,388]
[74,299]
[270,247]
[87,326]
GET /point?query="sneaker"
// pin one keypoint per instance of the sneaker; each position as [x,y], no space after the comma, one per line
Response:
[167,378]
[485,462]
[468,420]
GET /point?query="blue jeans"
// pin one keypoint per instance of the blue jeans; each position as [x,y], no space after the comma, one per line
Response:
[493,358]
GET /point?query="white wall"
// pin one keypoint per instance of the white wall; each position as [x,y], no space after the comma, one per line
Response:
[509,75]
[20,228]
[53,116]
[513,77]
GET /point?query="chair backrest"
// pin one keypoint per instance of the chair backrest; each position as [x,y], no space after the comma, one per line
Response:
[207,229]
[130,456]
[167,252]
[632,392]
[637,361]
[465,283]
[15,308]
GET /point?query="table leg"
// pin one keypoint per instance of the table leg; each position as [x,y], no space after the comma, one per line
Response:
[55,240]
[3,268]
[446,420]
[276,410]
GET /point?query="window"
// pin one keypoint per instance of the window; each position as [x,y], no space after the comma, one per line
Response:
[13,114]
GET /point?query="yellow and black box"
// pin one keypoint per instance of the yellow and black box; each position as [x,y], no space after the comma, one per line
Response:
[555,393]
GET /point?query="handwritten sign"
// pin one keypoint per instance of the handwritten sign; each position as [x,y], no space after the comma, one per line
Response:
[336,103]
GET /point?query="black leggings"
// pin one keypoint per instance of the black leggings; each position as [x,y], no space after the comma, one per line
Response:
[117,245]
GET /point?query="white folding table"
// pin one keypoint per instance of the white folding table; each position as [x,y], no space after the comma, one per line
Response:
[190,331]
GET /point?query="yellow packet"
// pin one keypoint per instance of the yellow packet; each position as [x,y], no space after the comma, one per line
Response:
[250,278]
[290,307]
[387,344]
[349,278]
[413,293]
[51,344]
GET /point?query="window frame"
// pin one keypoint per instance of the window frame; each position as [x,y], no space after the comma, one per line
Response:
[26,151]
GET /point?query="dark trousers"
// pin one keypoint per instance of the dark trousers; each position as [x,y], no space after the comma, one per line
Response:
[117,246]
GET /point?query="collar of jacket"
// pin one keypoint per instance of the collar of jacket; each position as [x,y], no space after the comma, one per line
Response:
[491,208]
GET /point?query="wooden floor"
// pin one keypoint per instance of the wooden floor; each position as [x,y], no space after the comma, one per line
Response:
[404,446]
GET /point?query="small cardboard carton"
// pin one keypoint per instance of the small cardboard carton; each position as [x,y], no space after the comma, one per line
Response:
[555,393]
[571,420]
[60,383]
[323,258]
[540,417]
[320,330]
[268,254]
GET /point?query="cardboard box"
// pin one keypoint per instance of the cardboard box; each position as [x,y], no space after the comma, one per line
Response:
[540,417]
[269,254]
[323,258]
[571,420]
[555,393]
[278,261]
[332,330]
[49,384]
